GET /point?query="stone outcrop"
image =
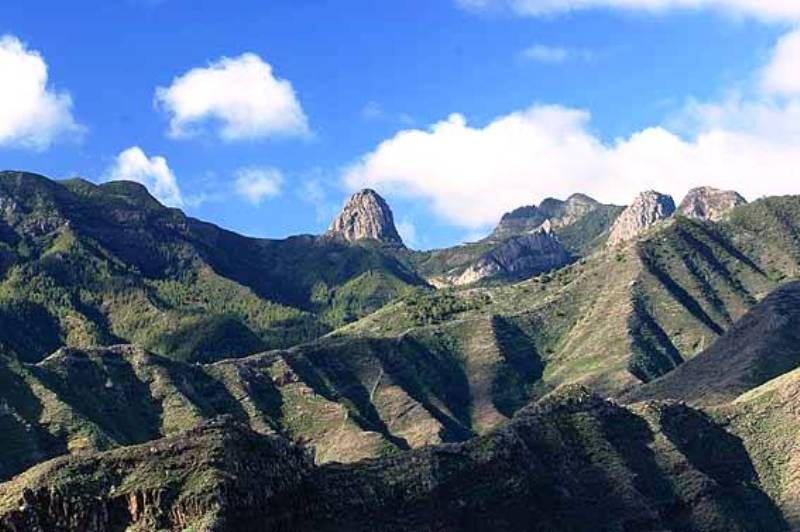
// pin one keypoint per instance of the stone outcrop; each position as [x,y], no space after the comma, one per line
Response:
[521,220]
[366,216]
[647,209]
[707,203]
[564,213]
[560,213]
[517,258]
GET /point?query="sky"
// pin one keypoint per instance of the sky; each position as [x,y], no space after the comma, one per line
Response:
[262,117]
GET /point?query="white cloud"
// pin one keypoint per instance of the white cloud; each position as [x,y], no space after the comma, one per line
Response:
[542,53]
[763,9]
[32,114]
[408,232]
[240,97]
[153,172]
[256,184]
[471,175]
[782,74]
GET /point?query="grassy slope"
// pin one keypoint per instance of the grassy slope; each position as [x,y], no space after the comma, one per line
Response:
[444,366]
[572,462]
[85,265]
[627,314]
[762,345]
[767,421]
[435,367]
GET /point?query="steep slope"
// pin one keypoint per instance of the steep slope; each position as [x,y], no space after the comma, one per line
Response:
[647,209]
[85,264]
[348,398]
[519,221]
[629,313]
[767,421]
[762,345]
[573,462]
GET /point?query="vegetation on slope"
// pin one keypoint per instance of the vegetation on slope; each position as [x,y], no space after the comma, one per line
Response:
[572,462]
[83,265]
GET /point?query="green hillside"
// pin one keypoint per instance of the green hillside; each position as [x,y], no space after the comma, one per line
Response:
[571,462]
[86,264]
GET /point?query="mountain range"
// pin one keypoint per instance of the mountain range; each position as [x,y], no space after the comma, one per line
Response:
[583,367]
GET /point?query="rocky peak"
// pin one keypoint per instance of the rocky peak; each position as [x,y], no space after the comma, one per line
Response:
[366,216]
[552,207]
[563,213]
[707,203]
[646,210]
[518,221]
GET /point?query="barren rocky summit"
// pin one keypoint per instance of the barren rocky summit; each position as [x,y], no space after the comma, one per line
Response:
[647,209]
[707,203]
[366,216]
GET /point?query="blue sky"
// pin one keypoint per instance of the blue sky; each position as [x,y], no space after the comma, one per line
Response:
[455,111]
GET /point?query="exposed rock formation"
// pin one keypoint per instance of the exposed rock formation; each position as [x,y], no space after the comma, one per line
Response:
[646,210]
[516,258]
[706,203]
[366,216]
[560,213]
[521,220]
[564,213]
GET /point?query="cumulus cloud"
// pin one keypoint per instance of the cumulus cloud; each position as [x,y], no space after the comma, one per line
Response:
[256,184]
[782,74]
[472,174]
[763,9]
[153,172]
[239,98]
[32,114]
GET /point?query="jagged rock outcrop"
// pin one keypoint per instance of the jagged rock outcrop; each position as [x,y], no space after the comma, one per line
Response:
[707,203]
[366,216]
[560,213]
[516,258]
[518,221]
[647,209]
[567,212]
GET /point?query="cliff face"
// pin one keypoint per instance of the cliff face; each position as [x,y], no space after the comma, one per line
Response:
[519,221]
[560,213]
[706,203]
[518,257]
[567,212]
[646,210]
[366,216]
